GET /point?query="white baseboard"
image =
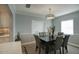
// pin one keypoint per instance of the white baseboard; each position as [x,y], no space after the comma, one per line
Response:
[27,43]
[73,44]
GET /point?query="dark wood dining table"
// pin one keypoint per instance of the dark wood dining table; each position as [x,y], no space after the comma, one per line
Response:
[48,41]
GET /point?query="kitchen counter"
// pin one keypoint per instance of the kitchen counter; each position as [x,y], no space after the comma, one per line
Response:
[3,36]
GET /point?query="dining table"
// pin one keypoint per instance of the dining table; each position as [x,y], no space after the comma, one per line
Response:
[48,41]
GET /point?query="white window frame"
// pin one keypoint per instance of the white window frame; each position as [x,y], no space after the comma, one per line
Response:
[64,21]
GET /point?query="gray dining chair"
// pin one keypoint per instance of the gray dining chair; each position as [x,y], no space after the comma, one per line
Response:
[42,34]
[39,43]
[60,33]
[65,43]
[57,44]
[24,49]
[18,38]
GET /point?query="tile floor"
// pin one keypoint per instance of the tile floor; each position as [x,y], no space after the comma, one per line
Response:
[31,49]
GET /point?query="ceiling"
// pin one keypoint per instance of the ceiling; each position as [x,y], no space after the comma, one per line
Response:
[42,9]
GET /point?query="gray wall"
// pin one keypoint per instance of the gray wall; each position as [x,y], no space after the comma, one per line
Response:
[74,16]
[24,23]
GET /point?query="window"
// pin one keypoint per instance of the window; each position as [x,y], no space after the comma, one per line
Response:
[67,27]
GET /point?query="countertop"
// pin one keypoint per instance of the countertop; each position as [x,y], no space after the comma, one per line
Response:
[3,36]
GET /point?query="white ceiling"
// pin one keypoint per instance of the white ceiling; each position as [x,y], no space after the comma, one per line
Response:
[42,9]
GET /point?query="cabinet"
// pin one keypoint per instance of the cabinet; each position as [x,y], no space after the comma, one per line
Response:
[4,20]
[4,39]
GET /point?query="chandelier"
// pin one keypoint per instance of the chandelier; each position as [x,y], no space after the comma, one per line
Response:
[50,16]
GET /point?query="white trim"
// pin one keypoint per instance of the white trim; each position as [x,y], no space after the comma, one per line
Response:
[27,43]
[25,33]
[13,10]
[73,44]
[74,34]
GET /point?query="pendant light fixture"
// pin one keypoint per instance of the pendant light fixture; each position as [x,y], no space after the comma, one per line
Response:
[50,16]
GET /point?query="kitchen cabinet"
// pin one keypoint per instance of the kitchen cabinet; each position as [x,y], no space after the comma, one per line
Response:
[5,23]
[4,39]
[4,20]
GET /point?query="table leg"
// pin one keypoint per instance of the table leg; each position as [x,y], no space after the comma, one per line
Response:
[46,50]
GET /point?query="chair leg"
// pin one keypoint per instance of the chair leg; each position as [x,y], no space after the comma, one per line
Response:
[25,50]
[36,48]
[63,50]
[39,50]
[60,50]
[66,49]
[54,51]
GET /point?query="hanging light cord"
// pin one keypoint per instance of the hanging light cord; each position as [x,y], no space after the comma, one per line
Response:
[49,10]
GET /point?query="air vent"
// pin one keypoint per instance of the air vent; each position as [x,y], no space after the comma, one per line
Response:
[28,5]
